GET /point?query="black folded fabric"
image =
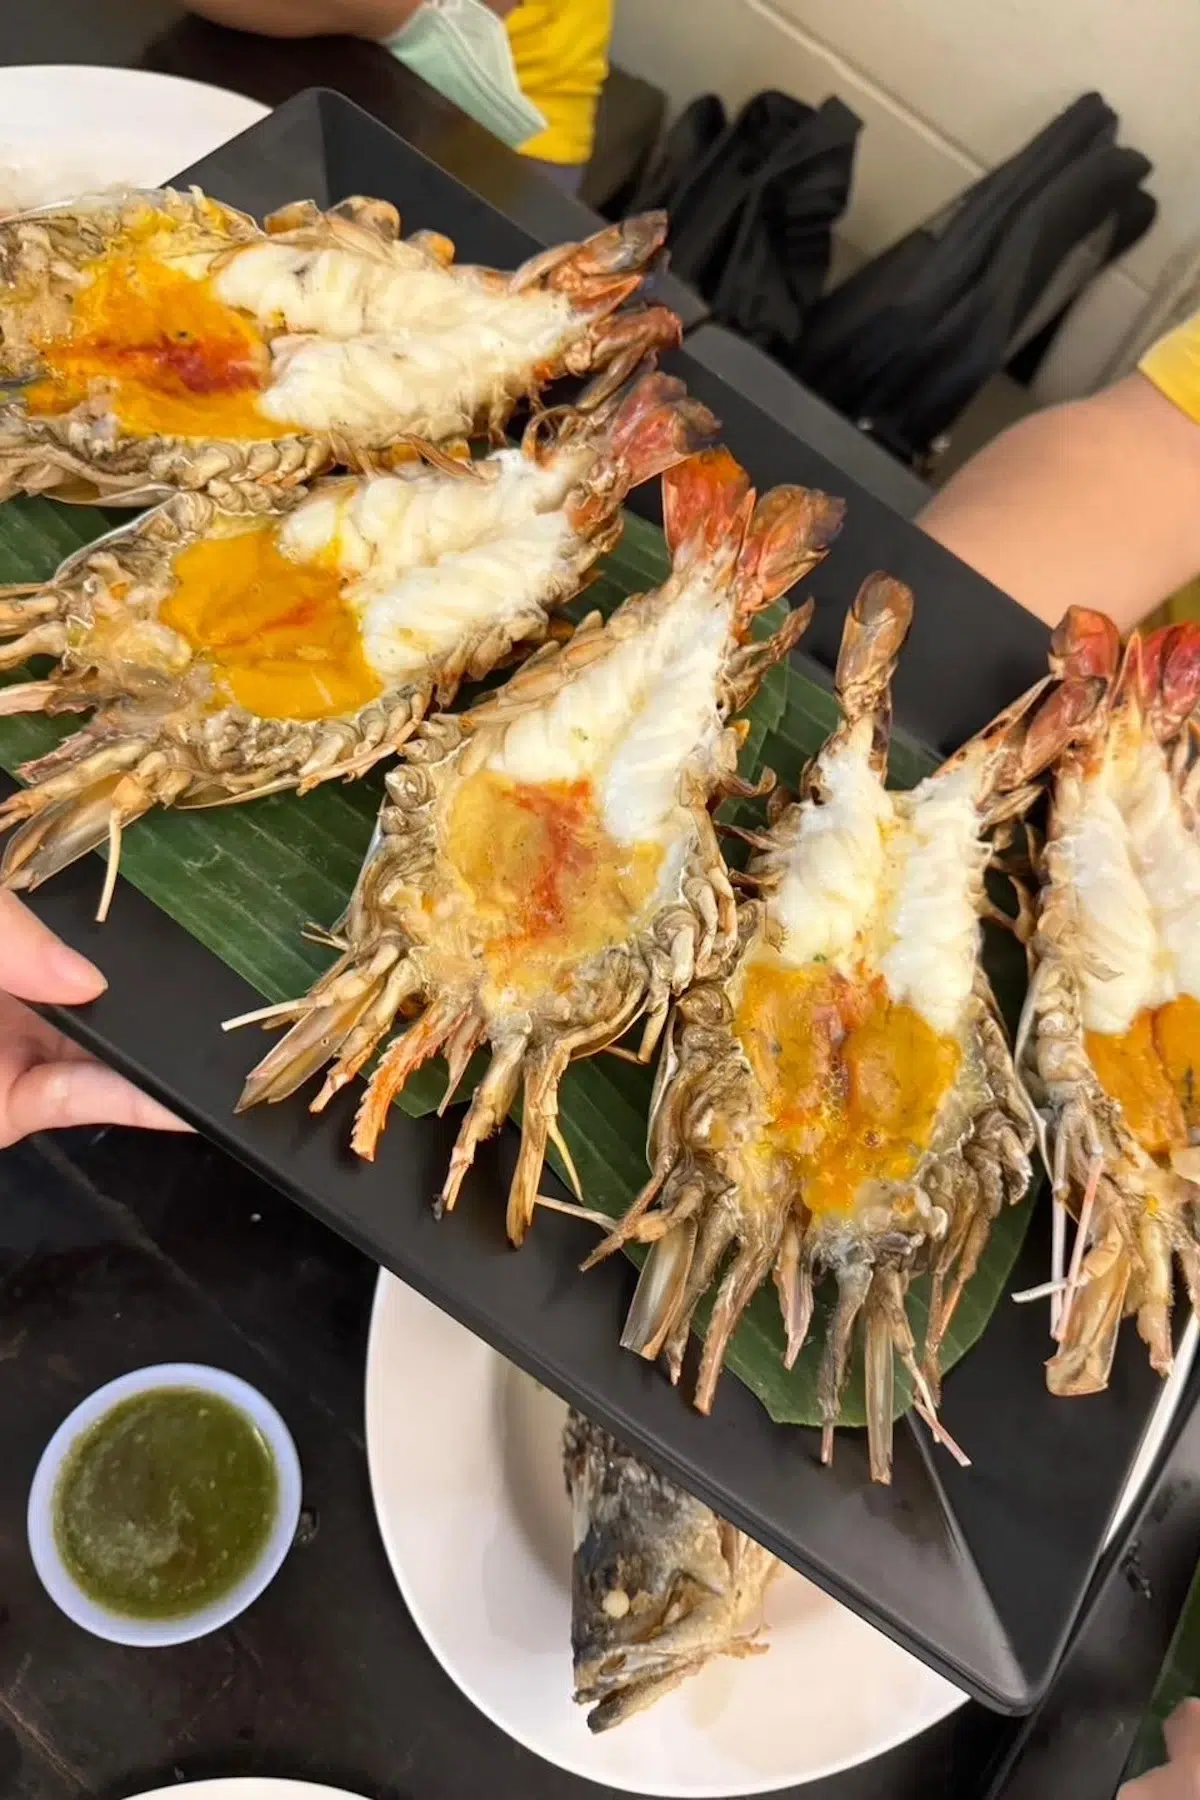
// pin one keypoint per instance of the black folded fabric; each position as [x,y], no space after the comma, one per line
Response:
[694,131]
[752,206]
[906,342]
[764,281]
[1069,232]
[908,287]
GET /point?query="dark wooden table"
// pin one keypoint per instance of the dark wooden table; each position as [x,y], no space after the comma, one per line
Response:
[117,1250]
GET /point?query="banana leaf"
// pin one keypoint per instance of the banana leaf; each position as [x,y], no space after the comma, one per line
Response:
[245,880]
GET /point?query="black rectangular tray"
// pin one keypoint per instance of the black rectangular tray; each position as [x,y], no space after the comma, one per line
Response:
[321,146]
[981,1572]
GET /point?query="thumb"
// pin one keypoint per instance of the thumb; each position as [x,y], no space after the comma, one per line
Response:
[1182,1734]
[52,1095]
[35,965]
[1181,1776]
[1167,1783]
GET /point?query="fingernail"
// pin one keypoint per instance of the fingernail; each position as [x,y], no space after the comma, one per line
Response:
[77,972]
[58,1087]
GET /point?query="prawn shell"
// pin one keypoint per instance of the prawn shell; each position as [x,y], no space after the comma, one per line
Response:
[84,455]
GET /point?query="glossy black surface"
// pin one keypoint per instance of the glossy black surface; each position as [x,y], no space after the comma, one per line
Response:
[67,1739]
[971,649]
[231,1272]
[934,1559]
[123,1251]
[761,379]
[979,1571]
[150,34]
[117,1249]
[322,146]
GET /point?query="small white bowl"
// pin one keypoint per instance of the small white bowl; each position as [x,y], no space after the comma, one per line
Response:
[149,1633]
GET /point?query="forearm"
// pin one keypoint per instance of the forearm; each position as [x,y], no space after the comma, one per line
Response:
[316,18]
[1096,503]
[309,18]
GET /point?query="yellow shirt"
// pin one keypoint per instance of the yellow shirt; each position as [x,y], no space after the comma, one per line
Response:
[1173,365]
[560,48]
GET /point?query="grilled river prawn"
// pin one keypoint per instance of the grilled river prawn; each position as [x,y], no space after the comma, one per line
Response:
[842,1100]
[1110,1038]
[230,656]
[156,341]
[547,872]
[659,1584]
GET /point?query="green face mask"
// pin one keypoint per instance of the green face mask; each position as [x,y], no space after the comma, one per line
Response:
[460,47]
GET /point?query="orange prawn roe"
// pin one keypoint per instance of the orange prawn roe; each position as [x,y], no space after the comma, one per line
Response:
[852,1081]
[280,634]
[172,359]
[1153,1072]
[547,881]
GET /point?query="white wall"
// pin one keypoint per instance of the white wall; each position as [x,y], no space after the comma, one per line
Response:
[947,88]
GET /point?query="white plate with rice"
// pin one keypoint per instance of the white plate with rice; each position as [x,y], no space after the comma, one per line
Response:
[68,129]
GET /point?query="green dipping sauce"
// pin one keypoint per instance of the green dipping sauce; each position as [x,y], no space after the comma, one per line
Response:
[165,1503]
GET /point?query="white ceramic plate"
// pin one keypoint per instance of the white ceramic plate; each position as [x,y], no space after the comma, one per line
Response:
[467,1479]
[1156,1430]
[69,129]
[466,1476]
[248,1787]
